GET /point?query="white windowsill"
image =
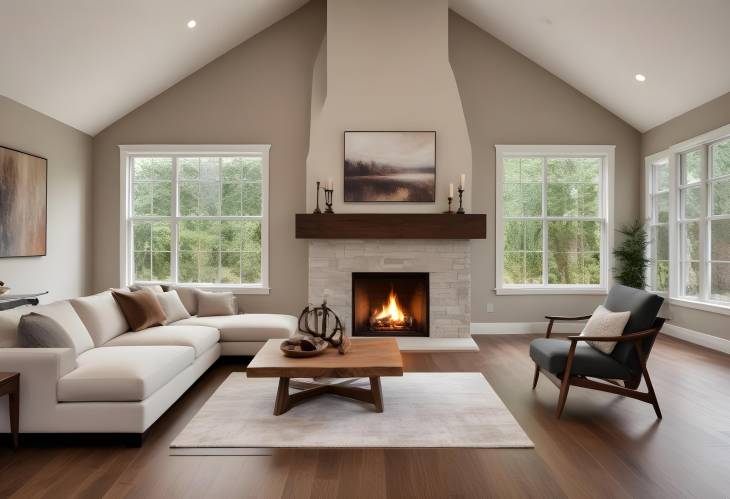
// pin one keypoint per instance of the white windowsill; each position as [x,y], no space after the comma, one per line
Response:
[236,290]
[701,305]
[551,291]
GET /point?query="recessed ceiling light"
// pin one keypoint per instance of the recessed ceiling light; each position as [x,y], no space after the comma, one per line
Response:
[640,77]
[192,23]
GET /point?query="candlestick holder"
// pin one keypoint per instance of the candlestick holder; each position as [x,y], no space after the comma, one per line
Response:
[461,211]
[328,200]
[450,212]
[317,211]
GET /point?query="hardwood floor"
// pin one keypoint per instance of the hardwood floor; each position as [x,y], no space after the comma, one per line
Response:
[604,445]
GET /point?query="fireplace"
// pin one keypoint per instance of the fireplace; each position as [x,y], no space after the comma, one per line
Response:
[390,304]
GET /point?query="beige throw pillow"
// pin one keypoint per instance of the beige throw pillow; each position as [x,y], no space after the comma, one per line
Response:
[173,306]
[604,323]
[210,303]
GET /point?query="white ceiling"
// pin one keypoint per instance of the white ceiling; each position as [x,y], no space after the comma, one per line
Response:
[597,46]
[89,62]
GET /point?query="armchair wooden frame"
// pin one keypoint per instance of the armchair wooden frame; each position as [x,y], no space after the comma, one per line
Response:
[630,388]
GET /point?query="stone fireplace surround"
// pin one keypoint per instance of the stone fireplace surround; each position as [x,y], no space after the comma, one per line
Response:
[448,262]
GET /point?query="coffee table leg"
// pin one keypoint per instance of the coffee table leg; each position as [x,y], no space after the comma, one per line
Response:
[282,397]
[377,393]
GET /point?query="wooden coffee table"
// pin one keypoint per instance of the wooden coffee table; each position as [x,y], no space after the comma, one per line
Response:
[368,358]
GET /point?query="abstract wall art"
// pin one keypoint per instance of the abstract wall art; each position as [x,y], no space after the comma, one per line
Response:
[22,203]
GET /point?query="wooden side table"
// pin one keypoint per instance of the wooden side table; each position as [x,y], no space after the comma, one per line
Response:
[10,386]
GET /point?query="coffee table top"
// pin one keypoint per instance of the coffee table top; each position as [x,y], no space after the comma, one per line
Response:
[367,357]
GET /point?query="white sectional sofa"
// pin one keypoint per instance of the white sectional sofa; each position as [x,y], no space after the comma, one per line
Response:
[116,381]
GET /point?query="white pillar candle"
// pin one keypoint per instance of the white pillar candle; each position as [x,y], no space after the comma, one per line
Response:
[462,181]
[451,190]
[330,184]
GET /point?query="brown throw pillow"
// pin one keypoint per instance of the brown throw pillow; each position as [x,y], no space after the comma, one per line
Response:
[140,308]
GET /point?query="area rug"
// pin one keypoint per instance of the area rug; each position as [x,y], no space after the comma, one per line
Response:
[422,410]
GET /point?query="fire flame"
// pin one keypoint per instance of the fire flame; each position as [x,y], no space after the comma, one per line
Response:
[391,309]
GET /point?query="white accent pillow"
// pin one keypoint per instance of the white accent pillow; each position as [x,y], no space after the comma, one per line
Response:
[173,306]
[101,315]
[604,323]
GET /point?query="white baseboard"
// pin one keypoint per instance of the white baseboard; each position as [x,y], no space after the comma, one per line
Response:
[702,339]
[689,335]
[524,327]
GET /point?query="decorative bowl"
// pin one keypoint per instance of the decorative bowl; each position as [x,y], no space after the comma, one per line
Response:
[4,289]
[302,346]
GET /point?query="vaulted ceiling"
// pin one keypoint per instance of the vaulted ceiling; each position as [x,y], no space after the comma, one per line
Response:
[89,62]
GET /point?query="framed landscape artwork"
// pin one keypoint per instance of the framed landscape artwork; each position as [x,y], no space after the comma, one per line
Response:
[22,203]
[390,167]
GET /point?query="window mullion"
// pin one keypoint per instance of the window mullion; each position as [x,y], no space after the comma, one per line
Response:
[545,239]
[174,230]
[704,291]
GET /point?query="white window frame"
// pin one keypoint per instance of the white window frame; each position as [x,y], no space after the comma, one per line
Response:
[607,154]
[128,152]
[662,157]
[703,302]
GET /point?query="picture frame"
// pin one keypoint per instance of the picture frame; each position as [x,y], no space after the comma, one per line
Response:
[389,166]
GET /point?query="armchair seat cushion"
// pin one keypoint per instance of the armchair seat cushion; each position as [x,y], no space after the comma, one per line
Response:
[552,354]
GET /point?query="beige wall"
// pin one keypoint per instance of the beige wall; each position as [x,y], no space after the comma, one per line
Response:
[379,78]
[259,92]
[507,99]
[705,118]
[65,270]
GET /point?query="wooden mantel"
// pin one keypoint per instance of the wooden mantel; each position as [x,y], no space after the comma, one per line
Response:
[391,226]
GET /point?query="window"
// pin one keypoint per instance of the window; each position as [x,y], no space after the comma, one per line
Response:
[691,254]
[553,227]
[195,214]
[657,206]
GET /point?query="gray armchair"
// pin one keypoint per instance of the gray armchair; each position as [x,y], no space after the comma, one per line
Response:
[573,362]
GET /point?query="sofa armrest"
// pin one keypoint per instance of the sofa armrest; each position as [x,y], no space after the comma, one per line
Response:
[39,368]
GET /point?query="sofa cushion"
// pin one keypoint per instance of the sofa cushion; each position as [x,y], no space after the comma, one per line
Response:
[102,316]
[63,313]
[155,288]
[173,307]
[201,338]
[40,331]
[211,304]
[123,374]
[552,354]
[140,308]
[247,327]
[189,298]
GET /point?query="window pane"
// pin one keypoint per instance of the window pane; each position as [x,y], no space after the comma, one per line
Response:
[161,235]
[661,207]
[574,252]
[230,267]
[252,198]
[210,198]
[569,170]
[142,236]
[573,187]
[252,169]
[691,166]
[209,169]
[512,200]
[142,198]
[720,240]
[161,266]
[188,168]
[232,197]
[152,169]
[721,198]
[662,275]
[511,170]
[142,266]
[189,198]
[232,169]
[691,202]
[691,241]
[252,236]
[721,158]
[533,267]
[660,242]
[251,265]
[690,278]
[514,236]
[720,281]
[661,172]
[514,267]
[151,244]
[161,198]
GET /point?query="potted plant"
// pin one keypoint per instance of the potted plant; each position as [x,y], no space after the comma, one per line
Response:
[631,256]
